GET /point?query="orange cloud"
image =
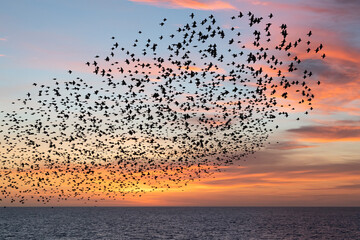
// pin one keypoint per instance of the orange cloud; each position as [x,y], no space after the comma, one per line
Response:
[342,55]
[193,4]
[337,74]
[266,181]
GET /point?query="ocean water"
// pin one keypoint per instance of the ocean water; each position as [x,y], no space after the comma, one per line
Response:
[180,223]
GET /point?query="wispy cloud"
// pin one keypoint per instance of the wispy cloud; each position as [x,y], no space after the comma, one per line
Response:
[350,186]
[289,145]
[327,133]
[193,4]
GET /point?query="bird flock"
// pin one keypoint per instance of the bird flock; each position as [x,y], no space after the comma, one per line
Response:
[157,114]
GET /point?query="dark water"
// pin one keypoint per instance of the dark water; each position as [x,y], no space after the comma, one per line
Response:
[180,223]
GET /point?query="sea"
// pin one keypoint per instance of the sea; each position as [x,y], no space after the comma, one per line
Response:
[180,223]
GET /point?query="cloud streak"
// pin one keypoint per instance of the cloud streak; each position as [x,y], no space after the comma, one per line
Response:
[290,145]
[192,4]
[327,133]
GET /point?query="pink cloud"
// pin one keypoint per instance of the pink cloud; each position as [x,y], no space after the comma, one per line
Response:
[193,4]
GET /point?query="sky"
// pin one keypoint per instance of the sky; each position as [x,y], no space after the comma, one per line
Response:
[317,159]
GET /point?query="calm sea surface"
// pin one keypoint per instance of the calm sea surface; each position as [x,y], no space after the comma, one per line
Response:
[180,223]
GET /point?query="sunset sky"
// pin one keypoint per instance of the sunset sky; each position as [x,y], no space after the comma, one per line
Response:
[317,159]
